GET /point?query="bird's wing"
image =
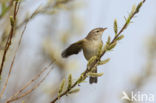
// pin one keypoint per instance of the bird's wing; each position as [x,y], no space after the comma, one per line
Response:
[74,48]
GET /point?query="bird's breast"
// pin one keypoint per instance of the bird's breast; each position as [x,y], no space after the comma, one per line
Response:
[90,48]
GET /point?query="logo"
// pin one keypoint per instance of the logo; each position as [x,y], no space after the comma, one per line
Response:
[138,97]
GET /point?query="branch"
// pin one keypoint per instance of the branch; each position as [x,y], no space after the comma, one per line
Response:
[50,8]
[29,83]
[109,45]
[9,40]
[12,63]
[16,97]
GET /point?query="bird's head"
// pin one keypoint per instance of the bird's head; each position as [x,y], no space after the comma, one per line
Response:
[96,33]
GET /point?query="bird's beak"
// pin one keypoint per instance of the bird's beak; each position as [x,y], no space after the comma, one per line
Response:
[104,29]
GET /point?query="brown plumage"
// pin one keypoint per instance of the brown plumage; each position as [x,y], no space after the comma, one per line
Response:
[74,48]
[89,45]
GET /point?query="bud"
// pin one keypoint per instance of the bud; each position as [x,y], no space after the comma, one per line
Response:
[104,61]
[94,74]
[111,46]
[91,60]
[138,7]
[115,27]
[74,91]
[120,37]
[61,86]
[69,81]
[108,40]
[11,21]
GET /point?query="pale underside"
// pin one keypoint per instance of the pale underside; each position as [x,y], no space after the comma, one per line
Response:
[91,48]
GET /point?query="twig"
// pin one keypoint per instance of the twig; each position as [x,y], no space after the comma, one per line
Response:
[29,91]
[12,63]
[36,13]
[95,63]
[30,82]
[9,40]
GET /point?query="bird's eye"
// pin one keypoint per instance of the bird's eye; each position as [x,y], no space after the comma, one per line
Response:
[97,31]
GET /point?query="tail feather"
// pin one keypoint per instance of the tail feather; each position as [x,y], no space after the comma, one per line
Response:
[93,79]
[74,48]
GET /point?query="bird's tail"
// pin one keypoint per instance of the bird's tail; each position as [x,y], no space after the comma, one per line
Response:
[93,79]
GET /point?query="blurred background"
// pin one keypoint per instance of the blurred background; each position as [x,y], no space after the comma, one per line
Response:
[55,25]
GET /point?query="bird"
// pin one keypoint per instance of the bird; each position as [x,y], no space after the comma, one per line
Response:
[90,46]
